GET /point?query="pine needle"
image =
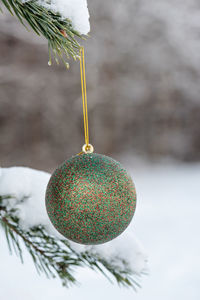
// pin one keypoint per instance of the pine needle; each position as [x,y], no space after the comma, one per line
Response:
[54,257]
[59,32]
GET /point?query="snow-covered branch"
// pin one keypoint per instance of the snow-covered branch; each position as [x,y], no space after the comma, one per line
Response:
[60,22]
[23,216]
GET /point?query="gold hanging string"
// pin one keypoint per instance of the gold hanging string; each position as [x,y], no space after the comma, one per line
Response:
[84,95]
[87,148]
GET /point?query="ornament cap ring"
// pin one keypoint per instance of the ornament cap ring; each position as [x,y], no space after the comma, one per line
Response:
[88,148]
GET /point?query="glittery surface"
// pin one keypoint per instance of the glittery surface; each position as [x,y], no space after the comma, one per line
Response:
[90,199]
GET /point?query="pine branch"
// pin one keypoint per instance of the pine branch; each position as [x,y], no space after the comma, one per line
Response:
[59,32]
[55,257]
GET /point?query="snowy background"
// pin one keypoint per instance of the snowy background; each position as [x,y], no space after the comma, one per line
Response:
[166,221]
[143,74]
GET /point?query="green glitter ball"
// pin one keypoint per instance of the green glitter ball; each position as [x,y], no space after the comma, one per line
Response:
[90,199]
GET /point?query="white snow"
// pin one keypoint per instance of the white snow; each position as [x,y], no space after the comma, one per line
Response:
[27,188]
[166,220]
[75,10]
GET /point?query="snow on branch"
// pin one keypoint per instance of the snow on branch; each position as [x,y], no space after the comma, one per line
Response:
[61,22]
[23,215]
[74,10]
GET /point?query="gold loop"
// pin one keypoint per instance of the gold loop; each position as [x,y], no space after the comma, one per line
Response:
[88,148]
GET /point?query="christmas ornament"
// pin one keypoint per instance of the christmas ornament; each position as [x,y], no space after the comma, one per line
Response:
[90,198]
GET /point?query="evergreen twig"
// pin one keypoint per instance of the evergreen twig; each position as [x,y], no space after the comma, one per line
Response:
[55,257]
[59,32]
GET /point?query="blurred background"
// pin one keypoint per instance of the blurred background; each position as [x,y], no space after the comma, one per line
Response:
[143,82]
[143,71]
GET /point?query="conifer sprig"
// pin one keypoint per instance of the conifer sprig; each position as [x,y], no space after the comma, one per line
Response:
[54,257]
[59,32]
